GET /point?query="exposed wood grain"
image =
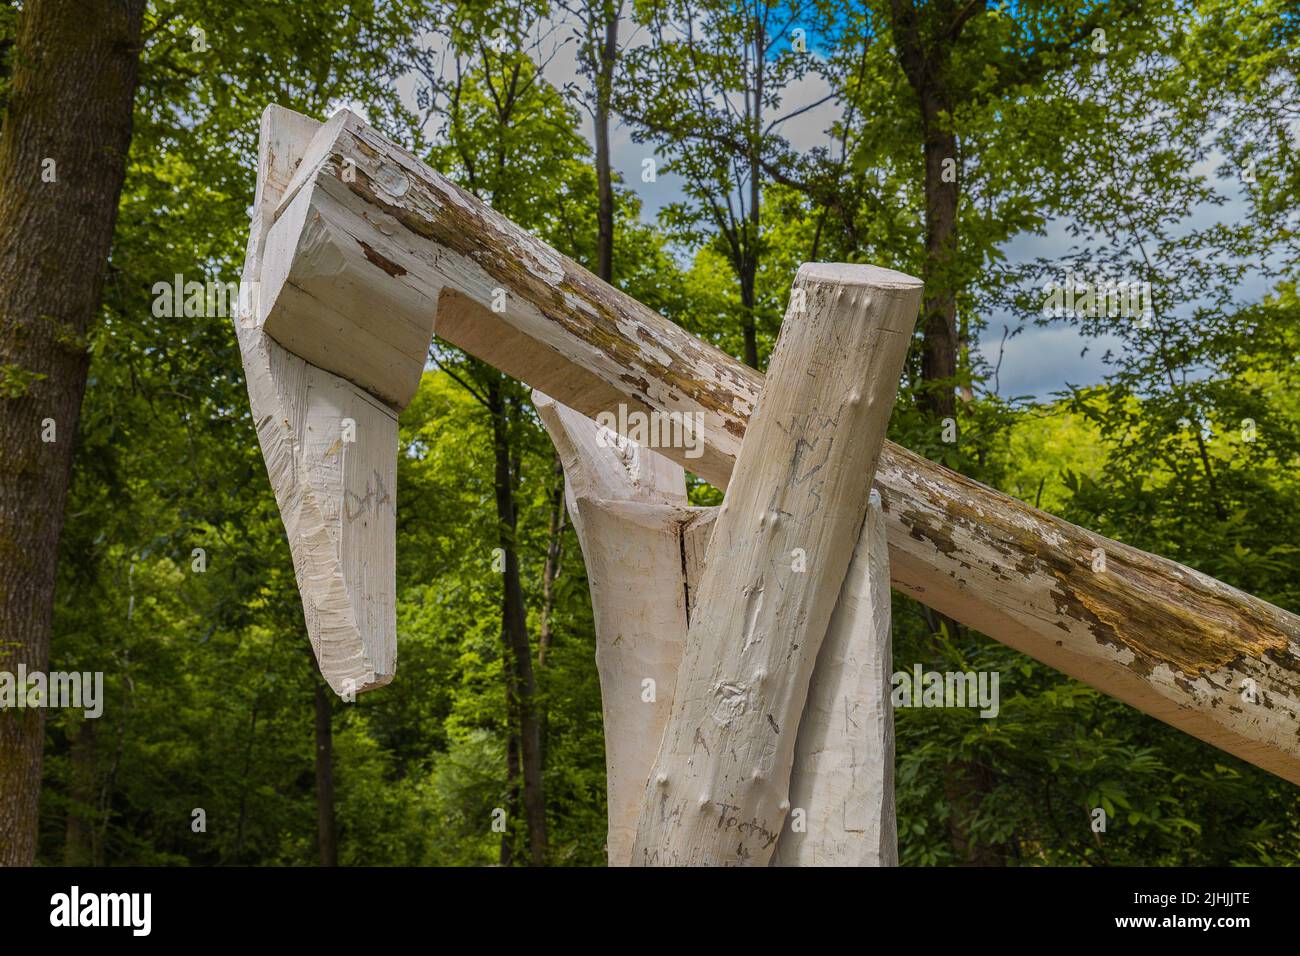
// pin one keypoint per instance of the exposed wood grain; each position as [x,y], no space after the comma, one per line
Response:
[326,309]
[843,775]
[780,548]
[331,455]
[630,513]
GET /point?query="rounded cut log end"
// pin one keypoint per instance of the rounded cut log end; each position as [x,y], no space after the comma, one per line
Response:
[854,274]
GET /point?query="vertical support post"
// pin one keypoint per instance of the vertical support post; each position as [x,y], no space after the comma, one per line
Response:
[330,448]
[641,544]
[781,546]
[842,784]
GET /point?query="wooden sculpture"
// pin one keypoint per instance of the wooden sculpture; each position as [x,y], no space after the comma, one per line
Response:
[770,683]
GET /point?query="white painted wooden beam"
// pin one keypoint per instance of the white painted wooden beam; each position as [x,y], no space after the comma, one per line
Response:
[781,546]
[323,301]
[393,231]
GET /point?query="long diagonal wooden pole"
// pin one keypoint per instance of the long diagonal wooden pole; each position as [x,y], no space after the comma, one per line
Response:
[383,245]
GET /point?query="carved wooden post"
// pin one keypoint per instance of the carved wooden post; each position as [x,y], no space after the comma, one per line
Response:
[644,552]
[843,776]
[641,544]
[719,790]
[331,454]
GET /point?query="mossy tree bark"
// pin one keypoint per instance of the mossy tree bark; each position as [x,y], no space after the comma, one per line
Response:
[62,163]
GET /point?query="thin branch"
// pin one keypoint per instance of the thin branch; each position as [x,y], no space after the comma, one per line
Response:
[462,383]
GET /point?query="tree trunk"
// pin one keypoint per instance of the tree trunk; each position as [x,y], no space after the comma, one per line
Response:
[604,175]
[926,68]
[83,799]
[507,853]
[326,837]
[62,162]
[965,785]
[940,346]
[514,627]
[551,570]
[925,61]
[748,308]
[939,312]
[751,226]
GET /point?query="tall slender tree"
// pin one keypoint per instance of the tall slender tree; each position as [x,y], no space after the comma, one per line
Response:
[327,845]
[598,55]
[968,67]
[505,129]
[707,90]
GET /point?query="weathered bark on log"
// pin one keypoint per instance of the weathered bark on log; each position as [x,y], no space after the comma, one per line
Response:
[331,454]
[1171,641]
[843,776]
[781,546]
[640,543]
